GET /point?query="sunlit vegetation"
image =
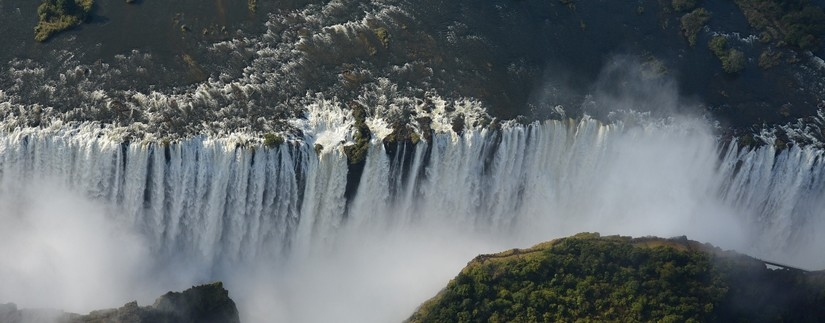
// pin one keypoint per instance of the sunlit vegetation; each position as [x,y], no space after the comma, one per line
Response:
[402,133]
[252,5]
[797,23]
[733,60]
[272,140]
[588,278]
[58,15]
[769,58]
[383,36]
[692,24]
[357,152]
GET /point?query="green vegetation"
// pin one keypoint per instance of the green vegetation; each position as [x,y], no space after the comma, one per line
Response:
[587,278]
[797,23]
[58,15]
[747,141]
[402,133]
[202,304]
[779,144]
[425,126]
[692,24]
[357,152]
[684,5]
[769,58]
[717,45]
[804,27]
[383,36]
[733,60]
[653,68]
[272,140]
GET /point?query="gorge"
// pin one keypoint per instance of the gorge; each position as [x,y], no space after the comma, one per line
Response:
[206,208]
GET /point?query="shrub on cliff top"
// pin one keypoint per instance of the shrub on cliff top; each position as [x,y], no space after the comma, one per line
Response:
[58,15]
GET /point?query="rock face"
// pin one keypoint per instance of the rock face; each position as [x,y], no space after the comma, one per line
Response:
[200,304]
[621,279]
[9,313]
[206,303]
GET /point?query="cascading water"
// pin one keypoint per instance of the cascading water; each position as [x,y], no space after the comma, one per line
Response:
[96,209]
[275,222]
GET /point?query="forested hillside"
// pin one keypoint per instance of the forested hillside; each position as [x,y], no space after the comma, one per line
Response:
[620,279]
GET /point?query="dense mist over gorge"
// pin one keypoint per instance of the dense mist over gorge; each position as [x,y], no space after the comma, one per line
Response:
[272,222]
[63,250]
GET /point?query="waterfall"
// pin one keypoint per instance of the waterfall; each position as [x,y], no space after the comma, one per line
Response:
[218,203]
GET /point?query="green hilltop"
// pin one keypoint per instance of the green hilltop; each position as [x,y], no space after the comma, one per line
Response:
[588,278]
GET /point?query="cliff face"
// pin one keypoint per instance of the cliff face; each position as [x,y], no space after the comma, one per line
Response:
[206,303]
[202,304]
[620,279]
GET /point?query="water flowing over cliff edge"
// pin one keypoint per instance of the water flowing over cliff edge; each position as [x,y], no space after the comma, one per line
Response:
[167,144]
[281,228]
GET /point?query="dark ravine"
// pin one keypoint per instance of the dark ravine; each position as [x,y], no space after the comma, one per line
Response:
[208,303]
[622,279]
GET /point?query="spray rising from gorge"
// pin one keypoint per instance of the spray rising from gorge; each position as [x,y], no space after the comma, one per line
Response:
[275,223]
[119,181]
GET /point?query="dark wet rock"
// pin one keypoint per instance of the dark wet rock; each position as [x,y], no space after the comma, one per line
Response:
[200,304]
[9,313]
[458,124]
[357,152]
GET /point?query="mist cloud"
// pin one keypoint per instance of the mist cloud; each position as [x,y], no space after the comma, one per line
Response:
[61,250]
[651,173]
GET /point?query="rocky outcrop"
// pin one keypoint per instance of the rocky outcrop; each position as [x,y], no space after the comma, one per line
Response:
[200,304]
[9,313]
